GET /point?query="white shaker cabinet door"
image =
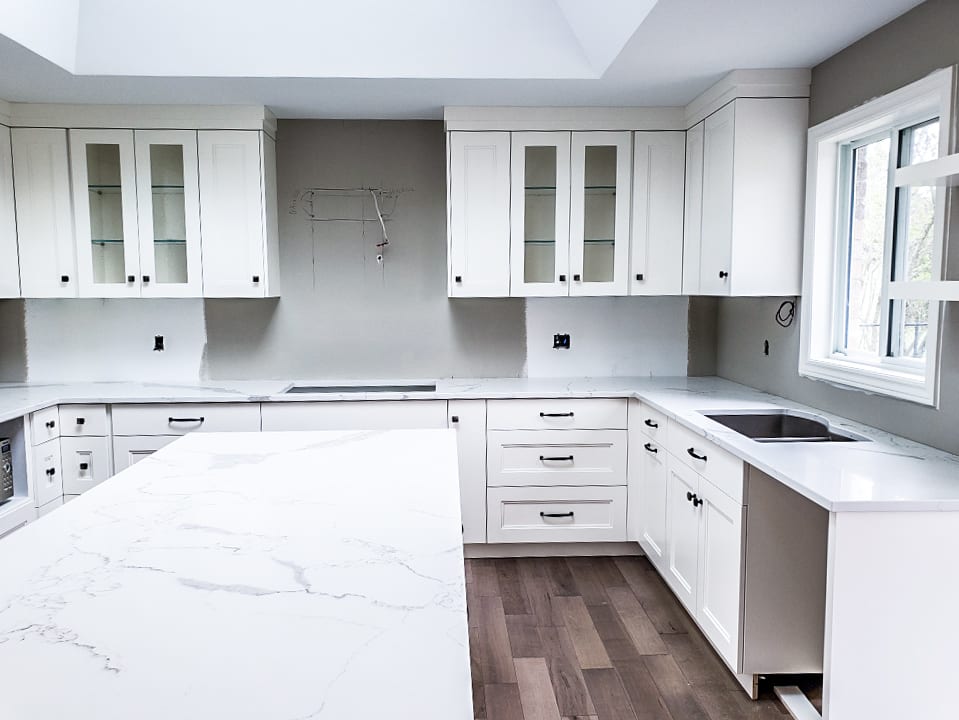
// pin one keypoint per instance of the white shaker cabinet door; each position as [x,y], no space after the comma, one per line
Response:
[41,179]
[478,207]
[651,501]
[717,222]
[682,532]
[468,418]
[9,261]
[86,462]
[693,209]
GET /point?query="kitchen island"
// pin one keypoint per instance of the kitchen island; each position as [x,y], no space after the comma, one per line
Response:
[274,576]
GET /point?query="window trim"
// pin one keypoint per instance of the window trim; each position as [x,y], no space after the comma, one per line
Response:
[825,236]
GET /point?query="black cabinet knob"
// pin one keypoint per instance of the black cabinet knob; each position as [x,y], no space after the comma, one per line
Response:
[256,278]
[639,276]
[454,418]
[84,466]
[131,278]
[81,421]
[51,472]
[562,278]
[146,278]
[689,496]
[697,501]
[576,278]
[64,278]
[50,424]
[458,278]
[723,274]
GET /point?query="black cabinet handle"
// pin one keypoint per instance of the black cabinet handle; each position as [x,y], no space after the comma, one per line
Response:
[639,276]
[50,424]
[51,472]
[576,278]
[562,278]
[146,278]
[131,278]
[692,453]
[458,278]
[186,420]
[723,274]
[84,466]
[81,421]
[544,458]
[650,448]
[565,414]
[689,496]
[649,423]
[697,501]
[256,278]
[556,515]
[454,418]
[64,278]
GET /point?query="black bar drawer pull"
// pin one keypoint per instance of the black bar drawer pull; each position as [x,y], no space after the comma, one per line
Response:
[692,453]
[568,458]
[649,423]
[556,515]
[186,420]
[565,414]
[650,448]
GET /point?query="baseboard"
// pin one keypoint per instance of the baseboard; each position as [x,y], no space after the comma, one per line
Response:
[505,550]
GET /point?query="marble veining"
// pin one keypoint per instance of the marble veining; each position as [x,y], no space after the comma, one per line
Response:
[273,576]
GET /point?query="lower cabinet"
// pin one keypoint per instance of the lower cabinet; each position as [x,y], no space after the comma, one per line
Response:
[648,507]
[354,415]
[468,418]
[86,462]
[47,472]
[556,514]
[682,533]
[130,450]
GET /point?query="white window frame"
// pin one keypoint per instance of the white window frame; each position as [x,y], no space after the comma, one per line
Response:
[825,239]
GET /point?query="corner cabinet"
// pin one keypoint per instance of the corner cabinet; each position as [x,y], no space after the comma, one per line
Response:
[238,213]
[9,265]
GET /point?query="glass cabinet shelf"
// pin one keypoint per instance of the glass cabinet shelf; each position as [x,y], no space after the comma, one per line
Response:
[116,241]
[588,241]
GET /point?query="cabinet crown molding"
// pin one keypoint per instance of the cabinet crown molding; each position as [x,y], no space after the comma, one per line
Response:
[760,83]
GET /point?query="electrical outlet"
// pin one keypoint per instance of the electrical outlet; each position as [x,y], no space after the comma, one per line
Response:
[561,341]
[158,343]
[765,347]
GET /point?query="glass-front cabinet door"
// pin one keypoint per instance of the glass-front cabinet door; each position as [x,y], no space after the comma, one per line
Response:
[168,208]
[599,213]
[539,213]
[105,211]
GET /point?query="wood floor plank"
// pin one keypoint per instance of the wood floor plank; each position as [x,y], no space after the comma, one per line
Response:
[537,586]
[698,661]
[619,646]
[608,572]
[511,588]
[485,577]
[736,705]
[640,628]
[524,639]
[642,691]
[662,607]
[588,581]
[503,702]
[494,654]
[561,579]
[589,647]
[565,673]
[536,689]
[476,674]
[609,695]
[677,694]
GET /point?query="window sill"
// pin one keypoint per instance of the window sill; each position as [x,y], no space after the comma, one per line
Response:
[876,380]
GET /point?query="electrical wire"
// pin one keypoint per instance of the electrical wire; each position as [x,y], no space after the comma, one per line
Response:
[376,204]
[786,313]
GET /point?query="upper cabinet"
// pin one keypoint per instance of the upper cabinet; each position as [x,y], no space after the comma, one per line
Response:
[744,199]
[9,264]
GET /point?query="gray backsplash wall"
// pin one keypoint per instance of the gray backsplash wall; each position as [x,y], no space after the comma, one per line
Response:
[908,48]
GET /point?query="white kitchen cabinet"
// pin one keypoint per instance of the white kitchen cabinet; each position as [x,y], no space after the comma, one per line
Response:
[682,533]
[9,260]
[557,414]
[354,415]
[539,213]
[41,180]
[556,457]
[648,504]
[86,462]
[600,178]
[556,514]
[238,213]
[129,450]
[749,192]
[468,418]
[168,212]
[656,241]
[47,473]
[478,183]
[183,418]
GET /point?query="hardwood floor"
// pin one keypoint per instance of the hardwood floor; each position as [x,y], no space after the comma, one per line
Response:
[593,639]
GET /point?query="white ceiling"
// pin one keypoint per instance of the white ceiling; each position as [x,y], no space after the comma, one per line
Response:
[409,58]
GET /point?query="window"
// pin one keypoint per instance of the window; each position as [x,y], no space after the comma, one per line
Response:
[863,233]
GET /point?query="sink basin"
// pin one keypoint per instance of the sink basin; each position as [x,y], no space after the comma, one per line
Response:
[781,425]
[314,389]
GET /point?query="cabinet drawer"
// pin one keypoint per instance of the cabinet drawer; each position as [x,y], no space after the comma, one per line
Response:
[556,414]
[721,468]
[555,457]
[184,418]
[83,421]
[355,415]
[128,451]
[584,514]
[86,462]
[47,473]
[652,423]
[45,424]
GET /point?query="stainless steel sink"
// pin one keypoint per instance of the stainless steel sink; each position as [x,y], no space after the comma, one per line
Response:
[316,389]
[781,425]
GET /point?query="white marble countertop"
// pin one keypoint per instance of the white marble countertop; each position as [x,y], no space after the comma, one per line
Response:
[268,576]
[889,473]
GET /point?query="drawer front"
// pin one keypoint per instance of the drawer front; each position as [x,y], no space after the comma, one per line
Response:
[562,514]
[45,424]
[556,414]
[721,468]
[83,421]
[355,415]
[129,451]
[47,473]
[555,457]
[184,418]
[652,422]
[86,462]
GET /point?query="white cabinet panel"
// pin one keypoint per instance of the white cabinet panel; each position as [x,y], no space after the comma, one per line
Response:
[478,186]
[128,451]
[693,209]
[45,425]
[233,195]
[650,503]
[600,178]
[83,420]
[183,418]
[86,462]
[656,263]
[682,533]
[354,415]
[721,468]
[717,222]
[719,605]
[9,260]
[47,473]
[468,418]
[54,504]
[41,178]
[557,414]
[537,514]
[556,457]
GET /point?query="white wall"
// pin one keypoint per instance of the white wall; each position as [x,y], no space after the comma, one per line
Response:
[618,336]
[86,340]
[47,27]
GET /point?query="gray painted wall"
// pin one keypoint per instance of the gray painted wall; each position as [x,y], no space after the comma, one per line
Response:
[908,48]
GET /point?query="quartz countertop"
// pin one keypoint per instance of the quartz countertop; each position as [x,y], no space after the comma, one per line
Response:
[889,473]
[267,576]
